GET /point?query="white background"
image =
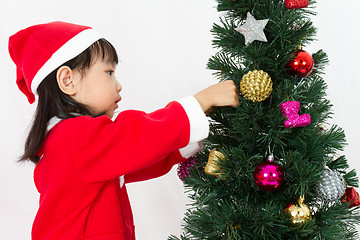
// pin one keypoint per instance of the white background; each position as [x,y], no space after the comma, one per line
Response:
[164,46]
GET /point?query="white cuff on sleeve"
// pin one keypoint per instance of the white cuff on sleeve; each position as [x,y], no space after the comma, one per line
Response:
[199,124]
[190,150]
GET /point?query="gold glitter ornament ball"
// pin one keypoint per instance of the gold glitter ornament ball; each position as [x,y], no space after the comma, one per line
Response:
[256,85]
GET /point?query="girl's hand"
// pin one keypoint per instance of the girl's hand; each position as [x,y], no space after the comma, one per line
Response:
[221,94]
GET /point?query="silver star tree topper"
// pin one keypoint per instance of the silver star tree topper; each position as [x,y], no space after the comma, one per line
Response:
[253,29]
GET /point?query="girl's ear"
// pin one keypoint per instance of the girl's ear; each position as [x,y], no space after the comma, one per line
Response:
[66,81]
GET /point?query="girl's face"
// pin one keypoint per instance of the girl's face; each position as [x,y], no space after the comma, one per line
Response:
[98,88]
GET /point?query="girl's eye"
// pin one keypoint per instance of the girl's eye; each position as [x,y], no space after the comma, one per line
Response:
[110,72]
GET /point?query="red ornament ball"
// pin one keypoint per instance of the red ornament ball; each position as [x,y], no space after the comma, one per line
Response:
[269,176]
[291,4]
[301,65]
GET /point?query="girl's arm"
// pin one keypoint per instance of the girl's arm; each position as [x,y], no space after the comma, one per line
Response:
[103,150]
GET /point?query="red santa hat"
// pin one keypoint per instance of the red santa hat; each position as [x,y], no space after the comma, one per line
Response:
[40,49]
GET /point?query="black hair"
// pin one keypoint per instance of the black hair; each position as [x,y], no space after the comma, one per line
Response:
[52,102]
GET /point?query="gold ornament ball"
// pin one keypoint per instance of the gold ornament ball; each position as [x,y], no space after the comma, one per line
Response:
[298,213]
[256,85]
[212,167]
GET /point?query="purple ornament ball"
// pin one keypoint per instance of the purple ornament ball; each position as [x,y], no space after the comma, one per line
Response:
[183,170]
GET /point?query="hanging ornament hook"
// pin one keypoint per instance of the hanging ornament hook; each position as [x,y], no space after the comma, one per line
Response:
[270,154]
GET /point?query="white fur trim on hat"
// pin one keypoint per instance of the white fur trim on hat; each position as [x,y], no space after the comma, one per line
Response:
[68,51]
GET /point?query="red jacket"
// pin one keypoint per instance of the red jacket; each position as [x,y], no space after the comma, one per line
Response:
[81,196]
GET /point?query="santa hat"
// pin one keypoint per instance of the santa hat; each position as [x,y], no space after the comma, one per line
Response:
[40,49]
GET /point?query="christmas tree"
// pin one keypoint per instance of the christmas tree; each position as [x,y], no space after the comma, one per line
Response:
[271,168]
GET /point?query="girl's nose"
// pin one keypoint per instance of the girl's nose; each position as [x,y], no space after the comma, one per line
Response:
[118,86]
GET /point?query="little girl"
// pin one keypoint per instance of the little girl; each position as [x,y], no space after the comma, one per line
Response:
[83,158]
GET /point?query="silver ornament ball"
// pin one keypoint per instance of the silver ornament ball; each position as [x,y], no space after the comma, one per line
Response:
[331,186]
